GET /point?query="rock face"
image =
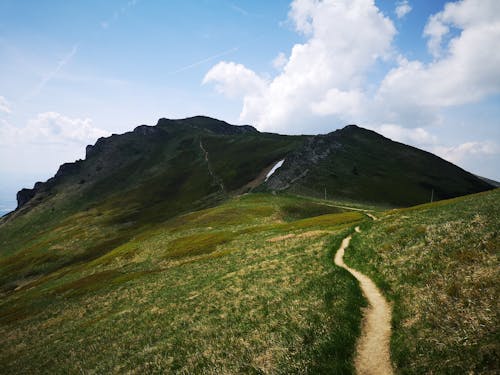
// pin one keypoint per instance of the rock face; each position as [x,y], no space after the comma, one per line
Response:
[23,196]
[299,162]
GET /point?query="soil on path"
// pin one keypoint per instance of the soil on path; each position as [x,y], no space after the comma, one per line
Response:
[372,349]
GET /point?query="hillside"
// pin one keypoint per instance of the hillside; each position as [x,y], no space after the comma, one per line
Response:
[244,287]
[439,265]
[149,255]
[361,165]
[131,182]
[250,287]
[127,183]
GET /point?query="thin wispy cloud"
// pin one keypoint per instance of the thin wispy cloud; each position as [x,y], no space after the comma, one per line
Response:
[64,61]
[205,60]
[239,9]
[243,11]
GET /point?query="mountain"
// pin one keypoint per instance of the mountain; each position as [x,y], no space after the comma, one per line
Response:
[144,177]
[361,165]
[167,162]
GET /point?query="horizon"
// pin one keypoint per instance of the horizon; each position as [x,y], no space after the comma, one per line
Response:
[422,73]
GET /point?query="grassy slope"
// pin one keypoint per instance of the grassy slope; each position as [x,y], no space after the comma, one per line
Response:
[248,286]
[439,263]
[136,182]
[371,168]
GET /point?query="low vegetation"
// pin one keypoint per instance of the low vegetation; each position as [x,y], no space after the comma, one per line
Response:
[439,264]
[245,287]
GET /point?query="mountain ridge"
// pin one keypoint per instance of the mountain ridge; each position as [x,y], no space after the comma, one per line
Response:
[315,149]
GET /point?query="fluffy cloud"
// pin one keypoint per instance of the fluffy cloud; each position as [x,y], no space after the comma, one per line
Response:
[457,154]
[44,143]
[4,105]
[465,70]
[234,80]
[49,128]
[331,64]
[326,78]
[418,136]
[465,14]
[402,8]
[280,61]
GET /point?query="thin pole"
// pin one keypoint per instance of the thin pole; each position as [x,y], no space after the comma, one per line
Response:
[432,195]
[325,193]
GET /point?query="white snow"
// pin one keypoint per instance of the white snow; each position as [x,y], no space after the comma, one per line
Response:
[275,167]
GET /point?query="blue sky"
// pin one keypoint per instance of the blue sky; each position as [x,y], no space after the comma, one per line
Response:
[71,71]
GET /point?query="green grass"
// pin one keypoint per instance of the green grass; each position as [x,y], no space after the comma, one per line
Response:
[238,288]
[439,264]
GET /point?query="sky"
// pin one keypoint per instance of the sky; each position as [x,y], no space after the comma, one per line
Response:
[426,73]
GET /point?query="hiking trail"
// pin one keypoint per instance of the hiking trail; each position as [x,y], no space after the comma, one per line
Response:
[373,346]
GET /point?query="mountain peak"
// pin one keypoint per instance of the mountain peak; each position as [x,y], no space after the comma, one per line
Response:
[206,123]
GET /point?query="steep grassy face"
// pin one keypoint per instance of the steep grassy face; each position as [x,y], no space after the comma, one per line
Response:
[439,263]
[244,287]
[361,165]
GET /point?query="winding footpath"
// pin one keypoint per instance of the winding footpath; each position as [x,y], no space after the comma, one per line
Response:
[372,348]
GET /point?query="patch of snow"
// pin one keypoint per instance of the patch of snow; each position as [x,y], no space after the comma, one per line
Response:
[275,167]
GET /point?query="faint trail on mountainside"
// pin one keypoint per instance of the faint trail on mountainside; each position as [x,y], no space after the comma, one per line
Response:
[217,180]
[364,211]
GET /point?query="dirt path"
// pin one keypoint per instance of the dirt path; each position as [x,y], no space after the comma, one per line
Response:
[364,211]
[372,349]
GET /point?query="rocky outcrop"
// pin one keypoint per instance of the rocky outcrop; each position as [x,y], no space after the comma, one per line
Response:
[298,163]
[146,130]
[207,124]
[24,196]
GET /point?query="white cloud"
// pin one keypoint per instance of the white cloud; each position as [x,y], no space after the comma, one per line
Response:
[45,142]
[280,61]
[330,65]
[4,105]
[49,128]
[346,104]
[466,71]
[402,8]
[324,82]
[235,80]
[457,154]
[416,136]
[464,15]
